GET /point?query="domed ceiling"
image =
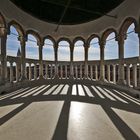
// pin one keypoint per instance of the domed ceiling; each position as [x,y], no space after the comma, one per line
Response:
[67,11]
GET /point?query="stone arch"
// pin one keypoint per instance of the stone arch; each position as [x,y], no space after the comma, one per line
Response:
[127,22]
[79,39]
[17,26]
[2,21]
[106,33]
[64,39]
[36,35]
[65,50]
[50,38]
[92,37]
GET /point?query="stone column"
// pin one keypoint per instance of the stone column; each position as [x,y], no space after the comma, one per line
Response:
[71,62]
[23,55]
[96,72]
[3,39]
[51,75]
[40,61]
[102,69]
[120,40]
[86,62]
[17,72]
[114,74]
[108,73]
[35,72]
[46,69]
[11,72]
[30,72]
[128,75]
[76,74]
[135,75]
[91,71]
[66,71]
[61,71]
[81,66]
[56,61]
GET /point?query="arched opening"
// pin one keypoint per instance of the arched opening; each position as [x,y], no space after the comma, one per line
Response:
[32,49]
[111,47]
[13,45]
[131,45]
[63,51]
[78,51]
[94,49]
[48,50]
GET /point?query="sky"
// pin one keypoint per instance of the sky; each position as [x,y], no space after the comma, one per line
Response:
[131,48]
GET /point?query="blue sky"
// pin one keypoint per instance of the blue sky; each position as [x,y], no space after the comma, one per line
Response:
[131,48]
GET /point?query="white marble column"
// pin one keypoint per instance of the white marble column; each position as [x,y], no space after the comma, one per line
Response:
[3,40]
[114,74]
[11,72]
[108,73]
[135,75]
[128,75]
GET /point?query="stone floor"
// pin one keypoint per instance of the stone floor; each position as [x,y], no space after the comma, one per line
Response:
[69,112]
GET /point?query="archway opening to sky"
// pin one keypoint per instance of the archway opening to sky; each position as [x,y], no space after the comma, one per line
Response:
[32,49]
[111,47]
[78,53]
[63,51]
[94,50]
[48,50]
[12,42]
[131,45]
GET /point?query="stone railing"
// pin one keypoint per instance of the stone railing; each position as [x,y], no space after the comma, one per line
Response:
[75,70]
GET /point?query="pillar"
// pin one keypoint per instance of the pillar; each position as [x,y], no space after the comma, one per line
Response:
[135,75]
[108,73]
[46,69]
[91,71]
[120,40]
[11,72]
[114,74]
[17,72]
[56,61]
[96,72]
[66,71]
[86,62]
[102,69]
[81,73]
[30,72]
[3,39]
[76,73]
[128,75]
[23,40]
[61,71]
[35,72]
[40,61]
[71,61]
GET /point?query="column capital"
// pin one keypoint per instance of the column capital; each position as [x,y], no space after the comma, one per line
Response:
[102,44]
[22,40]
[3,32]
[121,38]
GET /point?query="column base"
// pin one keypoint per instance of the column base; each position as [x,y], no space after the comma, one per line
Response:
[41,77]
[121,82]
